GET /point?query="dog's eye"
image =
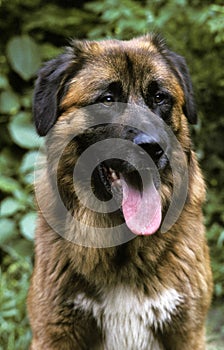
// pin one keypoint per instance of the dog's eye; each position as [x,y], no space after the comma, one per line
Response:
[159,98]
[107,100]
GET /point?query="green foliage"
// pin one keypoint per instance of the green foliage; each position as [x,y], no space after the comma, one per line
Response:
[122,19]
[34,31]
[24,57]
[22,131]
[14,283]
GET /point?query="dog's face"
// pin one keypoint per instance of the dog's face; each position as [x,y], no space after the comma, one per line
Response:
[129,93]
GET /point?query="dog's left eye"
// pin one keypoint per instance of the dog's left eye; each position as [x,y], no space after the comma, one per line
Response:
[107,100]
[159,98]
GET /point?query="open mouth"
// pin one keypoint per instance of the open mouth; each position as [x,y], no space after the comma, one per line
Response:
[109,177]
[136,194]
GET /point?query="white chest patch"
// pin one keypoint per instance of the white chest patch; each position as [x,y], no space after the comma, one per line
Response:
[126,318]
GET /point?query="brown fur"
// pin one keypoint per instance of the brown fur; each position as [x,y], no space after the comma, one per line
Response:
[146,265]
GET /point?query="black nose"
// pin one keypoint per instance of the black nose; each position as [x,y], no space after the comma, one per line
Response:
[151,145]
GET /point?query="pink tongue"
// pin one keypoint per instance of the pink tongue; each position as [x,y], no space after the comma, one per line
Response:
[142,211]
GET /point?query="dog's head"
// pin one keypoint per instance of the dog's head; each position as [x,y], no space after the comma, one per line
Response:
[130,93]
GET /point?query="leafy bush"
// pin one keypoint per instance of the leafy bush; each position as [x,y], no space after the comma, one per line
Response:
[14,326]
[34,31]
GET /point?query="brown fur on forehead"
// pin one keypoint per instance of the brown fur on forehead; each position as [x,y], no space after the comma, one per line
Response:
[133,63]
[150,42]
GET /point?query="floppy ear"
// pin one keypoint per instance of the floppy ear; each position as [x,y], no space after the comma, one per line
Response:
[182,72]
[46,93]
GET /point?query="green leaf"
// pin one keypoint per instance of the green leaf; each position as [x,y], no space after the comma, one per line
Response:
[28,161]
[8,184]
[48,51]
[4,83]
[10,206]
[28,179]
[9,162]
[20,247]
[8,230]
[23,132]
[27,225]
[24,56]
[21,195]
[26,101]
[9,102]
[27,167]
[220,241]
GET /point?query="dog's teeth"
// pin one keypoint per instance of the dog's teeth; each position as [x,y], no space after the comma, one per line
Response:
[116,183]
[113,175]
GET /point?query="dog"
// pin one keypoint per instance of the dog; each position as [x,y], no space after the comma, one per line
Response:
[121,258]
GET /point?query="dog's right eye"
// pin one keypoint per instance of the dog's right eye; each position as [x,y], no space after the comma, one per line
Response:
[160,98]
[107,100]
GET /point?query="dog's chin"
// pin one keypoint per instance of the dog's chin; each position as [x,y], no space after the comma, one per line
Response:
[138,198]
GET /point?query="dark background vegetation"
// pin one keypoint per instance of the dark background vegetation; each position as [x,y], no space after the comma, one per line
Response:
[33,31]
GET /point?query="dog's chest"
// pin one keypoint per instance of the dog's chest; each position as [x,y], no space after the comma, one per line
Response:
[126,319]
